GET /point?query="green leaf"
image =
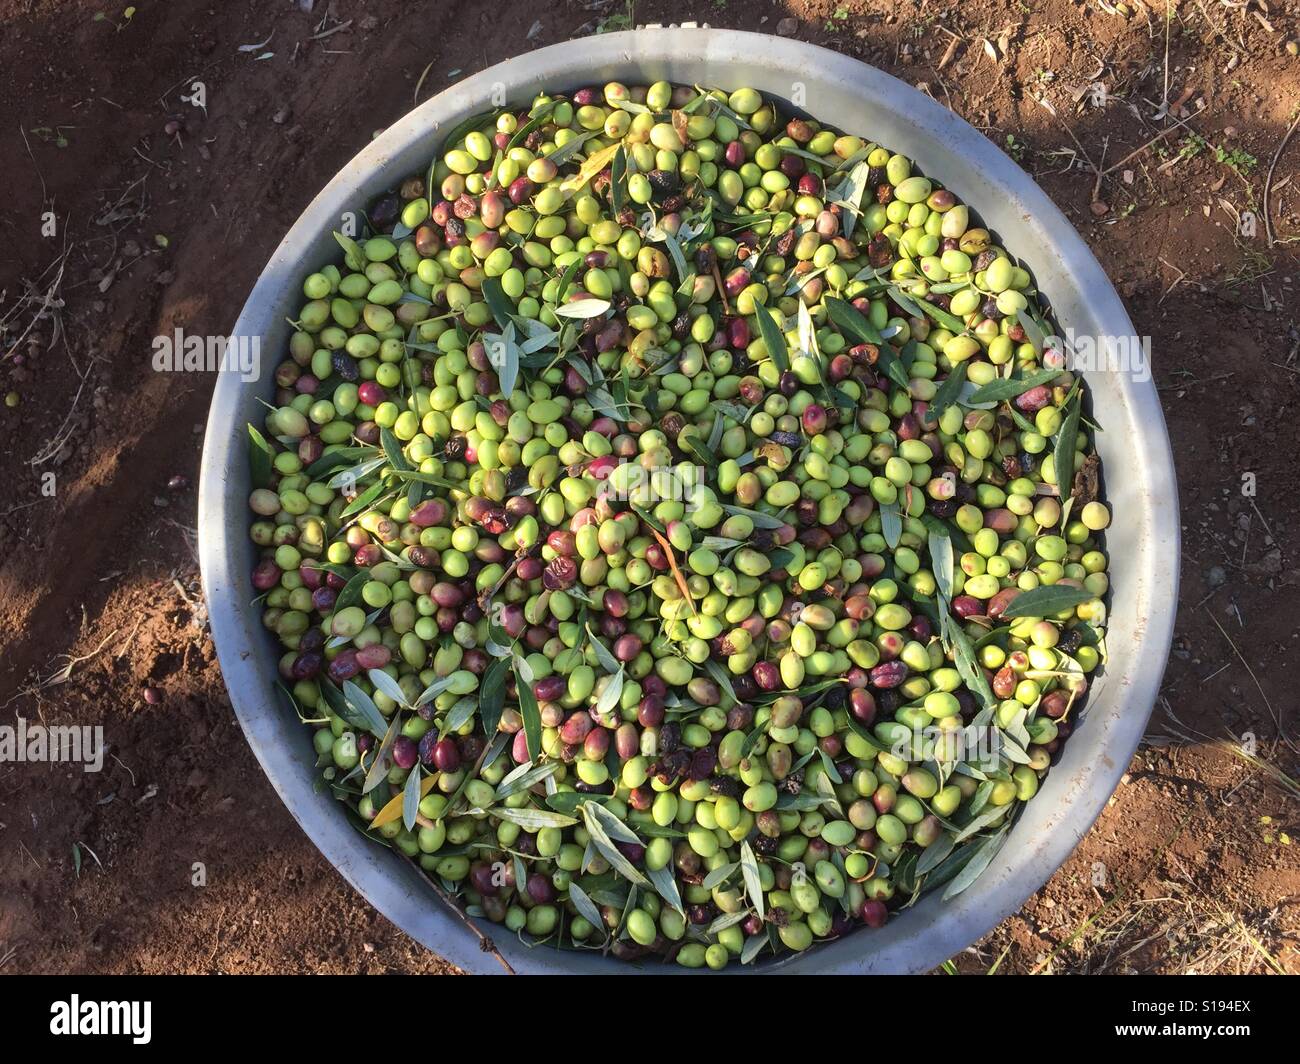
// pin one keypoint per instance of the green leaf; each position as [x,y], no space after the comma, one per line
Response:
[948,391]
[934,854]
[618,177]
[665,884]
[411,798]
[719,875]
[344,456]
[610,696]
[583,308]
[364,500]
[851,193]
[351,593]
[503,311]
[1063,452]
[891,523]
[950,322]
[967,664]
[980,860]
[354,475]
[753,884]
[1004,388]
[760,519]
[1046,601]
[848,318]
[353,256]
[457,717]
[567,151]
[259,458]
[753,947]
[393,450]
[595,819]
[492,694]
[607,660]
[390,687]
[773,338]
[532,819]
[942,563]
[366,707]
[378,770]
[587,909]
[433,691]
[532,716]
[524,778]
[1033,331]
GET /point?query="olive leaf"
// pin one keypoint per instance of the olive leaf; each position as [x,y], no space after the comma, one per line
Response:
[531,714]
[726,920]
[525,777]
[949,390]
[720,676]
[942,562]
[411,795]
[850,195]
[390,687]
[364,500]
[618,178]
[583,308]
[536,121]
[665,884]
[396,805]
[503,312]
[357,473]
[891,523]
[761,520]
[849,319]
[457,717]
[934,854]
[610,696]
[595,819]
[587,909]
[532,819]
[379,767]
[567,151]
[720,874]
[1033,331]
[607,660]
[968,665]
[331,460]
[492,694]
[259,458]
[996,391]
[974,868]
[753,947]
[432,691]
[949,321]
[353,256]
[351,593]
[593,165]
[1063,452]
[1046,601]
[773,338]
[753,884]
[351,714]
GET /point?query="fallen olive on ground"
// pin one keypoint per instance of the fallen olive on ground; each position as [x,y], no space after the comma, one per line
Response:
[681,531]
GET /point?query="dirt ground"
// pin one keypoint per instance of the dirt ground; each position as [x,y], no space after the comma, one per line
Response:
[166,213]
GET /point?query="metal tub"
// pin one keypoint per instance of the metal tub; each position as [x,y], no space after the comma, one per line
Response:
[1143,541]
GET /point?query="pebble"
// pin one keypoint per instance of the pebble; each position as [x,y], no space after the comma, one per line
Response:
[787,27]
[1216,577]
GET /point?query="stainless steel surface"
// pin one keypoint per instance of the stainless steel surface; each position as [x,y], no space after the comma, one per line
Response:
[1143,540]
